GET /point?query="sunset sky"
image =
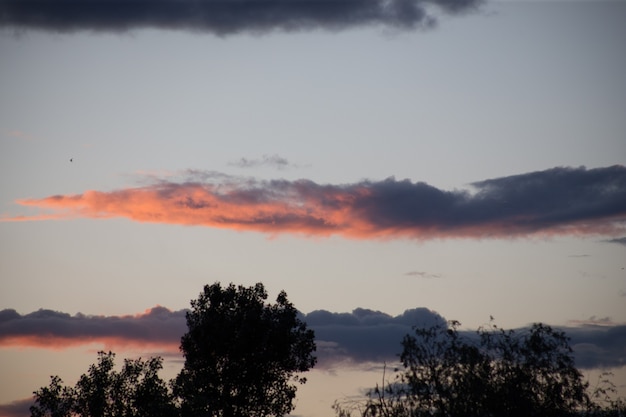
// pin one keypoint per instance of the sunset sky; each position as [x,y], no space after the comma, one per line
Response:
[387,164]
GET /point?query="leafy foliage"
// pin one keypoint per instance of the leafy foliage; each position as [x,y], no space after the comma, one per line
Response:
[495,373]
[606,403]
[54,400]
[241,354]
[135,391]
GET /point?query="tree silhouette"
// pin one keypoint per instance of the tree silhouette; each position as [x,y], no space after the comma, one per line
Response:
[54,400]
[135,391]
[505,373]
[242,357]
[242,354]
[492,374]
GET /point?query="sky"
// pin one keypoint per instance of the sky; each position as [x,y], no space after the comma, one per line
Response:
[387,164]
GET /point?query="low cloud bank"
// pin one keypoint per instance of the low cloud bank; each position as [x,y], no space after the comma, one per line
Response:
[19,408]
[598,346]
[364,335]
[558,201]
[51,329]
[360,337]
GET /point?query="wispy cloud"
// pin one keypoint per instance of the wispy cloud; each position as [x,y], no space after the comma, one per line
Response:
[361,337]
[558,201]
[223,17]
[20,135]
[618,240]
[593,321]
[275,161]
[422,274]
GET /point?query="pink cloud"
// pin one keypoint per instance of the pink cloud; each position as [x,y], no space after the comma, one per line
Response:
[560,201]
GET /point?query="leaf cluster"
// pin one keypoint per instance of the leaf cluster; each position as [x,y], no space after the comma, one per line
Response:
[135,391]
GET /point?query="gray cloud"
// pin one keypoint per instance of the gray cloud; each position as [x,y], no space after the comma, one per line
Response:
[46,327]
[525,203]
[364,335]
[598,346]
[360,337]
[19,408]
[222,17]
[555,196]
[274,161]
[367,336]
[422,274]
[618,240]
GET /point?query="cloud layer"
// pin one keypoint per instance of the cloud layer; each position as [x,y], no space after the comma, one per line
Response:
[19,408]
[222,17]
[158,327]
[556,201]
[364,335]
[361,337]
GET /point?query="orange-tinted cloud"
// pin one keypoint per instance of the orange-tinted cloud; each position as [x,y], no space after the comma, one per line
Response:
[157,328]
[557,201]
[107,343]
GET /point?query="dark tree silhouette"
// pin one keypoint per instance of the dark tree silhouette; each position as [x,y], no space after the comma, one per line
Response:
[505,373]
[492,374]
[135,391]
[54,400]
[241,354]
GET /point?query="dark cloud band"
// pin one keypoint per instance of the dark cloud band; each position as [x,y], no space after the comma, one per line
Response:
[360,337]
[158,326]
[221,17]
